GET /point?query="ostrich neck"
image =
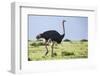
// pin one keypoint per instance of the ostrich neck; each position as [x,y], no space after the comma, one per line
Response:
[62,36]
[63,28]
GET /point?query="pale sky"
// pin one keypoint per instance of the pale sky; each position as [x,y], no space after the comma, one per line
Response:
[76,28]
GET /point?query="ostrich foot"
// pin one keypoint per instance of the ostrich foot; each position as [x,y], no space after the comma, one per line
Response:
[54,54]
[45,55]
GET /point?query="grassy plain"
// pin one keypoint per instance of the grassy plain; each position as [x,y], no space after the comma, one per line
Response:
[65,50]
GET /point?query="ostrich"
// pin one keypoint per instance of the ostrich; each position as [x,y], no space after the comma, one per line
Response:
[52,36]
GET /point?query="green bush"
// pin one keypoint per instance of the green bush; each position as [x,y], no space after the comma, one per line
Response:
[33,44]
[36,44]
[64,53]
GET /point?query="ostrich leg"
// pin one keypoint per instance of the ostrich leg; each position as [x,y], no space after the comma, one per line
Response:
[46,48]
[52,49]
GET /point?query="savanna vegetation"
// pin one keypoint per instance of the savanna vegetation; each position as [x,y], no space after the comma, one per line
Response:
[66,50]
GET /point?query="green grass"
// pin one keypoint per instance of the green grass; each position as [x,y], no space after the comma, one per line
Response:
[65,50]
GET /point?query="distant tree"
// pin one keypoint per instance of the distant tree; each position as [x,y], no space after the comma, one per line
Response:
[84,40]
[67,40]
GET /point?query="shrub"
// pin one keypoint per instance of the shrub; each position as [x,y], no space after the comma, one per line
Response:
[55,54]
[36,44]
[33,44]
[67,53]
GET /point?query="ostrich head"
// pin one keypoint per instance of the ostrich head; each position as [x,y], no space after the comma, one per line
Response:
[39,36]
[64,21]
